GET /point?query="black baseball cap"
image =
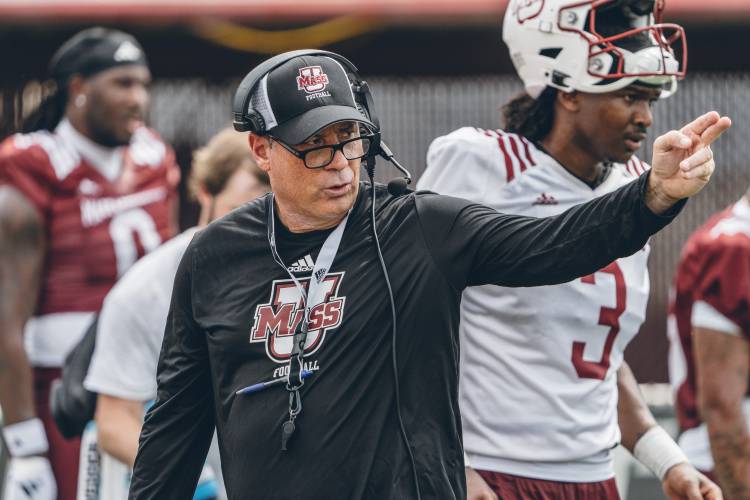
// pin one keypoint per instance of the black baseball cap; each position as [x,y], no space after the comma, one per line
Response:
[304,95]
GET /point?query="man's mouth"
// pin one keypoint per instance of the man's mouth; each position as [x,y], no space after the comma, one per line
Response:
[634,141]
[336,190]
[133,123]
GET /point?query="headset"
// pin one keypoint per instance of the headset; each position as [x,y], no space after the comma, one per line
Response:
[247,119]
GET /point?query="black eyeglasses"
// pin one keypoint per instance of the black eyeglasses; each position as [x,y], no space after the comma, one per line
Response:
[321,156]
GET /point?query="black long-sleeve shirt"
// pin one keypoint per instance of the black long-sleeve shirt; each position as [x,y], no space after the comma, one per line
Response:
[232,315]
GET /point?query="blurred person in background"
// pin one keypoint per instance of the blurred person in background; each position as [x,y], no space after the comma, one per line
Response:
[545,393]
[85,191]
[132,320]
[709,333]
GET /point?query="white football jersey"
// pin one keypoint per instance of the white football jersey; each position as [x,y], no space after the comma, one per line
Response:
[538,387]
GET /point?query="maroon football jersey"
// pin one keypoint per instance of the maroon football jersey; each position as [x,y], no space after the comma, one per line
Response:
[96,228]
[714,268]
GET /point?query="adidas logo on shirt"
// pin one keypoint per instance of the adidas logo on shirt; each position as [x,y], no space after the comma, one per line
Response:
[304,264]
[30,487]
[545,199]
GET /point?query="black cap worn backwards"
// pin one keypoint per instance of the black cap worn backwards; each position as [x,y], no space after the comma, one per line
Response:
[305,95]
[94,50]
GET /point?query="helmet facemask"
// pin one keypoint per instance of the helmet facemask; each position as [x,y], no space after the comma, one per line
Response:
[628,42]
[594,46]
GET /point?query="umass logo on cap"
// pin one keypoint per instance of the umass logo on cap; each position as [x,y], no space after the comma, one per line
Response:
[312,79]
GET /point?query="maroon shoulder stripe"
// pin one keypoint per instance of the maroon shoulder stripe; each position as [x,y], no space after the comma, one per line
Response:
[636,168]
[633,168]
[503,149]
[643,165]
[627,167]
[523,155]
[527,150]
[514,146]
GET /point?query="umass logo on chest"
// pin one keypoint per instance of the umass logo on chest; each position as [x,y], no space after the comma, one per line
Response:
[277,320]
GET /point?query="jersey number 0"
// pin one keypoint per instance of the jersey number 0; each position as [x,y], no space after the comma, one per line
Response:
[123,230]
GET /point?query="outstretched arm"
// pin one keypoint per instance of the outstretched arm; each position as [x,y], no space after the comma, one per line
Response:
[476,245]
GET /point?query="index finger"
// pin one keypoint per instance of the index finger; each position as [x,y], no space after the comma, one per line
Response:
[709,490]
[714,131]
[700,124]
[693,491]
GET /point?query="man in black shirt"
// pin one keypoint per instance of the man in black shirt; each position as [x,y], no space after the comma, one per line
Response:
[381,418]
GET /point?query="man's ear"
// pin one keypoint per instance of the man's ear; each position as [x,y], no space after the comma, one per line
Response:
[569,101]
[260,147]
[203,196]
[77,92]
[76,85]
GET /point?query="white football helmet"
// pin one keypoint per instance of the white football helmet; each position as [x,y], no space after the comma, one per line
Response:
[593,46]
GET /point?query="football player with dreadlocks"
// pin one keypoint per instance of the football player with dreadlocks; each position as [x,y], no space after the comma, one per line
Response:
[545,393]
[85,192]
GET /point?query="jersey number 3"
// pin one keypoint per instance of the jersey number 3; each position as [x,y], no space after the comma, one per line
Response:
[608,316]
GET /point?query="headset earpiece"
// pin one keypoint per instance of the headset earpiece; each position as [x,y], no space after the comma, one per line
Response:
[363,99]
[256,123]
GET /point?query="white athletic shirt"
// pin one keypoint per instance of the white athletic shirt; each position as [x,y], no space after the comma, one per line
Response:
[538,387]
[128,342]
[131,325]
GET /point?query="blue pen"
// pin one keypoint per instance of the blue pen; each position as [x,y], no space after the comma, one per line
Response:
[265,385]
